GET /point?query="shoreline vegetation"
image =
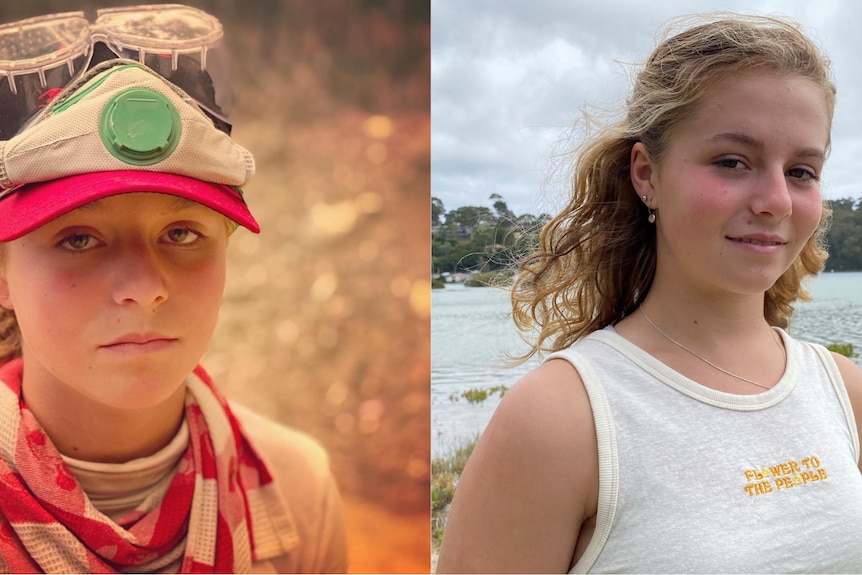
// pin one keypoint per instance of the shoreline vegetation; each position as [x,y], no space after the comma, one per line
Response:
[472,241]
[481,279]
[447,469]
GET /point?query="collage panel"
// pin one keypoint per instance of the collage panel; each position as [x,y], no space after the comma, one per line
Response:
[642,235]
[321,346]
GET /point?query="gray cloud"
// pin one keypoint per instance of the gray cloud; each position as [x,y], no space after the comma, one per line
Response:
[509,78]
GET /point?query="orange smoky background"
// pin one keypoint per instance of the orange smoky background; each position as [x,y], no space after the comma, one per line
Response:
[325,325]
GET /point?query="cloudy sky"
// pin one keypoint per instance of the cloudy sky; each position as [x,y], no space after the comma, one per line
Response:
[509,77]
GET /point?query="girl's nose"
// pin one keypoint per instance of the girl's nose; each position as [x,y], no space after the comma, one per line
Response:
[140,277]
[773,195]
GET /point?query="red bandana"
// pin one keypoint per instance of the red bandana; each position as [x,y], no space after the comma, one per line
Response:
[202,525]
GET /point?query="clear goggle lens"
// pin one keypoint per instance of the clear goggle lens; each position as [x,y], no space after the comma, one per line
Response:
[42,55]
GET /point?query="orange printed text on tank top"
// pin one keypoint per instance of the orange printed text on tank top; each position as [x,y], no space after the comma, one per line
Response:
[793,474]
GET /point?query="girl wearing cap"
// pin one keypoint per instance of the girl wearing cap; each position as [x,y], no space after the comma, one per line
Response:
[676,425]
[117,453]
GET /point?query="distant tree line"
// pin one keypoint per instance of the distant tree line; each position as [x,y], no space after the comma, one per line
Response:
[845,236]
[480,238]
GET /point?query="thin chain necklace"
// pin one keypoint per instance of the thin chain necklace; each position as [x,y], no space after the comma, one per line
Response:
[703,359]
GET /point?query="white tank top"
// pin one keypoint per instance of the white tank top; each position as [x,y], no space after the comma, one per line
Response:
[696,480]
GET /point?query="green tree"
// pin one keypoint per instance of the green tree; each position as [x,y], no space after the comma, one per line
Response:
[468,218]
[505,217]
[475,238]
[438,212]
[844,238]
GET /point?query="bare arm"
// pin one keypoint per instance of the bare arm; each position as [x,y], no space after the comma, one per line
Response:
[531,482]
[852,376]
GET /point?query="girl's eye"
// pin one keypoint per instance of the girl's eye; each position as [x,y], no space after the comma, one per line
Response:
[182,236]
[78,242]
[731,163]
[803,174]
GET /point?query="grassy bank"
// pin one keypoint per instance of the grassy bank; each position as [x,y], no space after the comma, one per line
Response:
[445,472]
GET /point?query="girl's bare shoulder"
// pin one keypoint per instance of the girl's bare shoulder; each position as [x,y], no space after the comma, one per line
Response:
[852,376]
[531,482]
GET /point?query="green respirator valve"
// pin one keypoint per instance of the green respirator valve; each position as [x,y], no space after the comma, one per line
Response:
[140,127]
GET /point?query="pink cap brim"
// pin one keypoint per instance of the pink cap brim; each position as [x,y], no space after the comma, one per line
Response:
[34,205]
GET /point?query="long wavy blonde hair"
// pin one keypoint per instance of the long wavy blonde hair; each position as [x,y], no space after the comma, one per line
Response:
[596,259]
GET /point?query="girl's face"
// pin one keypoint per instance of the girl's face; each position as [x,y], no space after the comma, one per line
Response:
[737,194]
[117,300]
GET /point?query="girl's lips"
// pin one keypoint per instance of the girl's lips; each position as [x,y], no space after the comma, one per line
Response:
[140,343]
[759,242]
[145,347]
[759,245]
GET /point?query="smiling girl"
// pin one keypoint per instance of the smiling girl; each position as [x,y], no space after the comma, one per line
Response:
[676,426]
[117,453]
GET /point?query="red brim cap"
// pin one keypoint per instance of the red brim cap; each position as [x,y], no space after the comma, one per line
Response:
[33,205]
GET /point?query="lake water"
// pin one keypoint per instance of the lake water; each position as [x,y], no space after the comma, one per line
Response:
[471,333]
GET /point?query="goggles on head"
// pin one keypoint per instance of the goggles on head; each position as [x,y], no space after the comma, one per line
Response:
[40,56]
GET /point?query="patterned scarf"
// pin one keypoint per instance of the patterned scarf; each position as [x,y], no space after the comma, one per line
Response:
[201,525]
